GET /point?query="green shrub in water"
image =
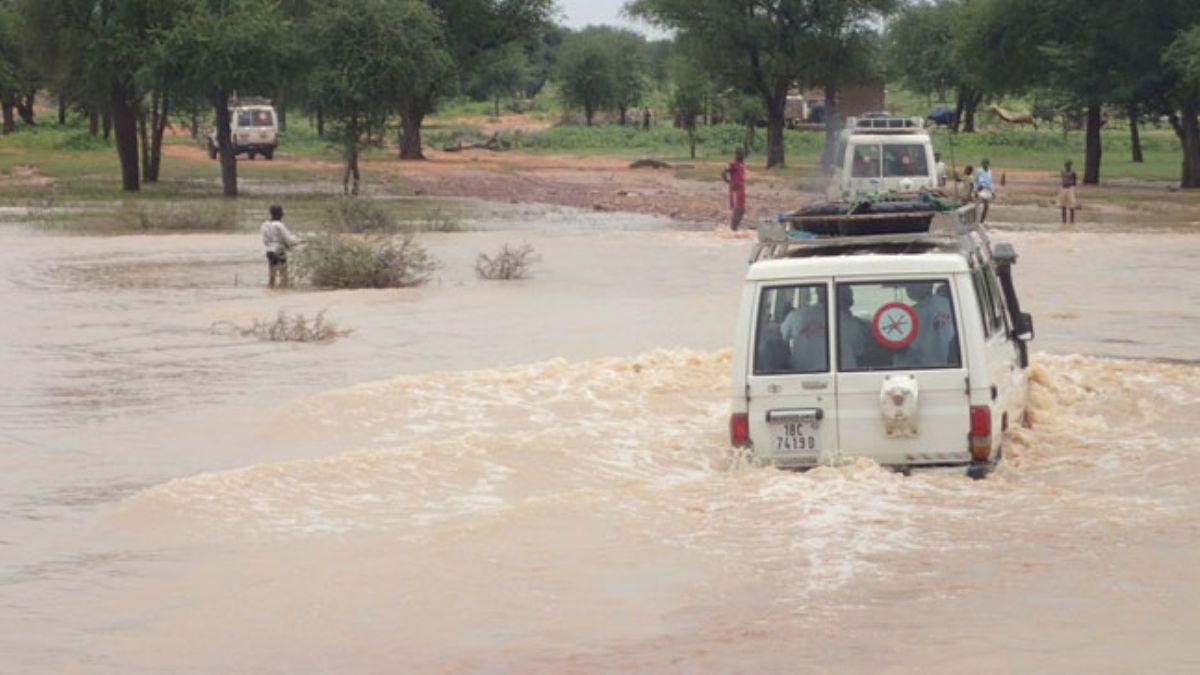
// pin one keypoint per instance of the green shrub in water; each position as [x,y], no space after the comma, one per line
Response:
[370,261]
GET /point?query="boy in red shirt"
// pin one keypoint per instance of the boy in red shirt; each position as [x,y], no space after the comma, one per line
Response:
[735,176]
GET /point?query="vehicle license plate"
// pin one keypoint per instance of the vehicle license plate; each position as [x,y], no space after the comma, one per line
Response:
[794,438]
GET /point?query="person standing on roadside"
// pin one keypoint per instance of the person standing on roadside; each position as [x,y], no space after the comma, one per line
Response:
[277,240]
[985,188]
[735,176]
[1066,193]
[939,169]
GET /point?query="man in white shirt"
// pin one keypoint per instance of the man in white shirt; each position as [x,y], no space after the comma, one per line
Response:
[277,240]
[939,169]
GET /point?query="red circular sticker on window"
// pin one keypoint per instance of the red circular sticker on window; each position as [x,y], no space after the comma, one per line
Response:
[895,325]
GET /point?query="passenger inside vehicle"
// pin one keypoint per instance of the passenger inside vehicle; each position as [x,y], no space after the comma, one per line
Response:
[806,331]
[866,161]
[934,345]
[935,333]
[853,332]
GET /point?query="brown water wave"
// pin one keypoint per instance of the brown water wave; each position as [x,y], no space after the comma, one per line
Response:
[638,444]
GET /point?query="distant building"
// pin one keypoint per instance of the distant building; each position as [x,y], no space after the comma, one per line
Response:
[855,100]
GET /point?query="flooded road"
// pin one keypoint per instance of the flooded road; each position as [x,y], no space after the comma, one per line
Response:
[535,475]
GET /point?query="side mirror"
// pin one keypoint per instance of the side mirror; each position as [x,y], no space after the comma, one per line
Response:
[1023,327]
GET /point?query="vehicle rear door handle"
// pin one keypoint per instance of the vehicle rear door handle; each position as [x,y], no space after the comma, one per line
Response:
[814,384]
[800,415]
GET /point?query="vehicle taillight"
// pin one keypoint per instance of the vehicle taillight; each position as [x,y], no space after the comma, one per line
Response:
[739,430]
[981,432]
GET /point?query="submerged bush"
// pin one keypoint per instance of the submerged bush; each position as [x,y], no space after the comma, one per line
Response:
[285,328]
[371,261]
[510,263]
[353,214]
[439,220]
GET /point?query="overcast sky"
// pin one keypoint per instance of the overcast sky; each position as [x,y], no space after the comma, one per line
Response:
[580,13]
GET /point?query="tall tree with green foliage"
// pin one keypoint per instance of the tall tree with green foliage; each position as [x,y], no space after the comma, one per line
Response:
[105,46]
[225,47]
[587,71]
[15,76]
[763,46]
[365,52]
[691,90]
[1182,60]
[473,28]
[502,73]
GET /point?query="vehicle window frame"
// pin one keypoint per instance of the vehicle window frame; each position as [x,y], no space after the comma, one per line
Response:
[998,321]
[878,161]
[983,300]
[248,122]
[916,151]
[958,336]
[759,305]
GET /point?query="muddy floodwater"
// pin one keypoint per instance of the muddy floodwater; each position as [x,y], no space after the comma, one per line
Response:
[534,476]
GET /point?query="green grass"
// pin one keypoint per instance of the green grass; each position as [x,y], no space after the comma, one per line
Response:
[664,141]
[85,168]
[1046,150]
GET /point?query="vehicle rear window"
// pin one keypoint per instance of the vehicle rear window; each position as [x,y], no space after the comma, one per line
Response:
[896,326]
[866,161]
[904,159]
[792,336]
[255,118]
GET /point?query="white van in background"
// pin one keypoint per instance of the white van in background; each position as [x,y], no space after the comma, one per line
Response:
[879,153]
[905,348]
[254,131]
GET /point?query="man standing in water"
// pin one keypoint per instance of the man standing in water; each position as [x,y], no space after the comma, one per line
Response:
[985,189]
[1066,194]
[735,176]
[277,239]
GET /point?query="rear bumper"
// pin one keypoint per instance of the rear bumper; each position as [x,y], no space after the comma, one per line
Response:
[952,461]
[256,147]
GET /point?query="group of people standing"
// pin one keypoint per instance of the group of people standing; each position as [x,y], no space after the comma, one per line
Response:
[981,186]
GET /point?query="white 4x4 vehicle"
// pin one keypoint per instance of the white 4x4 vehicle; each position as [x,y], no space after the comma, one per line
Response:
[878,153]
[907,349]
[254,131]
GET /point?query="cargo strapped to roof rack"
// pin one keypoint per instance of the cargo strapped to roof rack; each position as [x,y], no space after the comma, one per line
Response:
[794,231]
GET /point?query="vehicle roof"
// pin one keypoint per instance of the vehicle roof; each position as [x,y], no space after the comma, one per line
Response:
[920,135]
[927,257]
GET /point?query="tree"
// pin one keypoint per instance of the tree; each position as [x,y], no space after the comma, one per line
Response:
[920,40]
[366,50]
[102,48]
[222,47]
[502,73]
[15,78]
[842,55]
[542,51]
[689,94]
[1182,60]
[473,27]
[602,67]
[763,46]
[586,71]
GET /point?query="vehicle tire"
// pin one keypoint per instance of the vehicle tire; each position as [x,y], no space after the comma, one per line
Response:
[978,470]
[251,155]
[212,150]
[269,154]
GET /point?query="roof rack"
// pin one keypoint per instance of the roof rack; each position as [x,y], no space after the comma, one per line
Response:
[874,123]
[785,235]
